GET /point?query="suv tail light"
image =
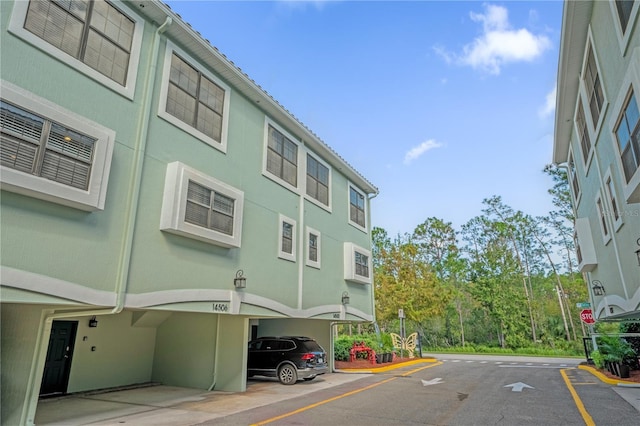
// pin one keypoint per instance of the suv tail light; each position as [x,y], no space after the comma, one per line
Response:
[308,356]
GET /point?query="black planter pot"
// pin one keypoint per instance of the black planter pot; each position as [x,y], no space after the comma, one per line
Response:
[379,358]
[624,371]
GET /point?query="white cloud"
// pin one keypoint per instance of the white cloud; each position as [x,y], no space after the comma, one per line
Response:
[550,104]
[419,150]
[499,43]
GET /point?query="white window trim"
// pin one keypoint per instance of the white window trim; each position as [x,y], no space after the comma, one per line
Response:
[617,223]
[91,199]
[174,205]
[583,96]
[310,198]
[366,208]
[586,162]
[164,90]
[16,27]
[623,39]
[350,250]
[268,122]
[601,214]
[630,80]
[314,264]
[282,254]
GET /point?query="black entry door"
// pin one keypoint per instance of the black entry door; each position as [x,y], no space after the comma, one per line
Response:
[58,364]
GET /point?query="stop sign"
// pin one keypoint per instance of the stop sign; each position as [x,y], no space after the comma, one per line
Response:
[587,316]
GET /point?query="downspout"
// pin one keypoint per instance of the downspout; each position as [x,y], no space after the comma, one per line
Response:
[301,247]
[373,287]
[48,316]
[215,355]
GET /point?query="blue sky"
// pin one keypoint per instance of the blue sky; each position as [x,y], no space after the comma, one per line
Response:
[440,104]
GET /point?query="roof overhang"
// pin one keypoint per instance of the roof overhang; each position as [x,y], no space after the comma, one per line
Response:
[189,39]
[576,16]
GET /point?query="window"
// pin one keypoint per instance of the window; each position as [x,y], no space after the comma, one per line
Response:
[357,264]
[281,157]
[583,134]
[209,209]
[623,7]
[626,13]
[193,99]
[357,215]
[573,178]
[593,87]
[313,248]
[602,216]
[627,133]
[198,206]
[614,213]
[98,38]
[52,154]
[287,239]
[317,180]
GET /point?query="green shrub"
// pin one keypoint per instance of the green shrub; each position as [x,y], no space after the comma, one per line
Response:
[598,358]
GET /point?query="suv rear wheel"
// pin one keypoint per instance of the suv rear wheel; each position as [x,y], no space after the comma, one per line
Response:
[287,374]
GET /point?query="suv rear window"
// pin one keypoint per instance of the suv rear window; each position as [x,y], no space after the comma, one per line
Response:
[312,346]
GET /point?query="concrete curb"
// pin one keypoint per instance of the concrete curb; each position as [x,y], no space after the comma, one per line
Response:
[386,368]
[608,380]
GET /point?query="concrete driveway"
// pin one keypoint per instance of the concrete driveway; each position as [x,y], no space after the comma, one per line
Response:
[168,405]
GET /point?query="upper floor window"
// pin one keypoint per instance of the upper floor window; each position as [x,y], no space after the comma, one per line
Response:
[583,133]
[613,200]
[287,239]
[624,7]
[97,37]
[317,180]
[194,99]
[281,154]
[201,207]
[602,216]
[313,248]
[357,264]
[627,133]
[52,154]
[357,213]
[573,177]
[593,86]
[209,209]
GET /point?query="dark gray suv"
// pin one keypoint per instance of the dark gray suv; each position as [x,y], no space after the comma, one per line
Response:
[288,358]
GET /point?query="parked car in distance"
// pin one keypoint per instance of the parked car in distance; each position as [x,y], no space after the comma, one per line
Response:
[289,358]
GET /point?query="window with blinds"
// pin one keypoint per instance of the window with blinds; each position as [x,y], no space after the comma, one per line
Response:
[94,32]
[356,207]
[282,157]
[287,238]
[194,99]
[583,134]
[32,144]
[362,264]
[317,180]
[209,209]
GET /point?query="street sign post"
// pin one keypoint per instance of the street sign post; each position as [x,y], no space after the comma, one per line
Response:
[587,316]
[583,305]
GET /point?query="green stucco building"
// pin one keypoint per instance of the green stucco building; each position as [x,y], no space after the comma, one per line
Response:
[158,208]
[597,138]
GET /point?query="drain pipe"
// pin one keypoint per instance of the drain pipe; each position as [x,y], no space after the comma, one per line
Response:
[215,356]
[29,407]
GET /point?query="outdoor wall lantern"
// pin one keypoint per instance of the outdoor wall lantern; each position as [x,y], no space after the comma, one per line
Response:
[93,322]
[598,288]
[345,298]
[239,281]
[638,251]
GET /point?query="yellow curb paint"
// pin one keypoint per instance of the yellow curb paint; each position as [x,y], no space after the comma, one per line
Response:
[604,378]
[588,420]
[353,392]
[390,367]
